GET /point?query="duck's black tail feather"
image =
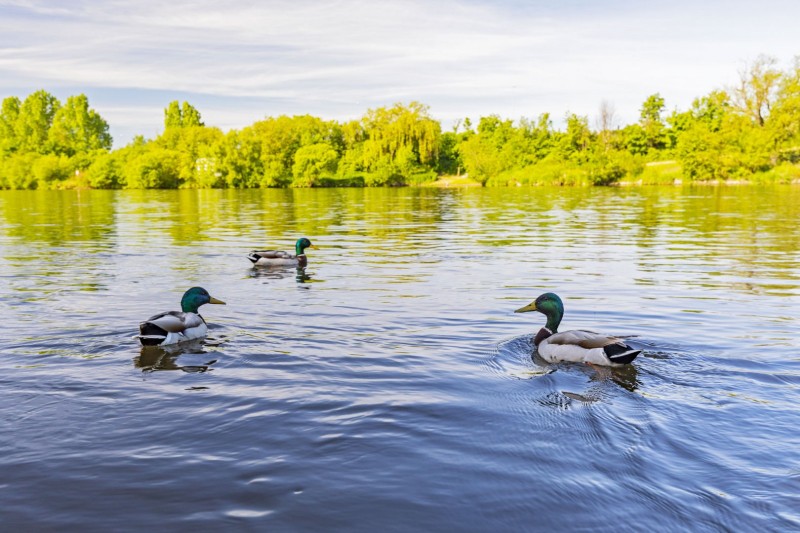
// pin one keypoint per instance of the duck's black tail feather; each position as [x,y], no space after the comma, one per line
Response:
[621,353]
[254,257]
[150,334]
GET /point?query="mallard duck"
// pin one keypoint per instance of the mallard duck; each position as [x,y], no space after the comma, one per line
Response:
[173,327]
[577,346]
[281,258]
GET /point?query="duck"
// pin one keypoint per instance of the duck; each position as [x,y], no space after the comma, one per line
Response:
[576,346]
[173,327]
[281,258]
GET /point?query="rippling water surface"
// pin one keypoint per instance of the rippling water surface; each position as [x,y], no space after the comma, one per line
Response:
[390,386]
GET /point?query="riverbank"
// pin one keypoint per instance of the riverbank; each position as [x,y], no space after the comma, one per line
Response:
[668,173]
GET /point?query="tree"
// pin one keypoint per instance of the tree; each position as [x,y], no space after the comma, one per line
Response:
[311,162]
[575,142]
[9,114]
[758,83]
[78,129]
[542,137]
[172,115]
[784,117]
[449,157]
[278,140]
[34,120]
[105,172]
[481,158]
[181,116]
[190,116]
[652,124]
[155,168]
[606,122]
[398,142]
[239,159]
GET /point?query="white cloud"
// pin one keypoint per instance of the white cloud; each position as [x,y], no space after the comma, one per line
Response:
[336,59]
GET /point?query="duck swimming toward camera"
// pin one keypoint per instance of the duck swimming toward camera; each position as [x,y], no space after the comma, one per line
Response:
[173,327]
[281,258]
[576,346]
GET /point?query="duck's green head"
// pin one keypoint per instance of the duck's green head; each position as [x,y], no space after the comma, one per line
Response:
[301,245]
[195,297]
[550,305]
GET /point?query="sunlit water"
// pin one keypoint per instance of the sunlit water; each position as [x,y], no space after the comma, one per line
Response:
[390,387]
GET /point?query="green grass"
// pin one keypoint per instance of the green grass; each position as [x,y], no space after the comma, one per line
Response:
[658,173]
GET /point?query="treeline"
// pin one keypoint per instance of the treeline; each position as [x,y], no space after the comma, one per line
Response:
[747,132]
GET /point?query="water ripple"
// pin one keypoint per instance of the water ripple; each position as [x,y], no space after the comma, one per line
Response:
[389,385]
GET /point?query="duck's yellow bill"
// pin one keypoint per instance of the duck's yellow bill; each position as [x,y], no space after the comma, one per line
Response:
[314,247]
[215,301]
[530,307]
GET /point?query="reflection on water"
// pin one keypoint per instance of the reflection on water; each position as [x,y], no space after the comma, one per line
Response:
[389,385]
[280,272]
[152,358]
[301,276]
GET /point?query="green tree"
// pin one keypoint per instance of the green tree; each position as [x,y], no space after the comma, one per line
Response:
[398,142]
[278,140]
[77,129]
[651,122]
[15,170]
[9,115]
[172,115]
[714,141]
[481,158]
[239,159]
[495,147]
[197,148]
[449,161]
[190,116]
[51,169]
[577,140]
[105,172]
[784,117]
[34,120]
[154,168]
[313,161]
[181,116]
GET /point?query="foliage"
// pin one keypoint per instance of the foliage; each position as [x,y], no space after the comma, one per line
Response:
[389,145]
[181,116]
[152,169]
[747,132]
[311,162]
[32,125]
[78,129]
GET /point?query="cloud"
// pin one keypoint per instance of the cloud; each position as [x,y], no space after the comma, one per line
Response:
[336,59]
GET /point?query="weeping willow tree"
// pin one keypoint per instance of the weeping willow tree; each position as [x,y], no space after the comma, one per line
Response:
[397,145]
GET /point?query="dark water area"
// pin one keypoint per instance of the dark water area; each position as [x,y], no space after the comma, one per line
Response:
[390,386]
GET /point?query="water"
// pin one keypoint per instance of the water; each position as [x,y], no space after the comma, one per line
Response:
[391,387]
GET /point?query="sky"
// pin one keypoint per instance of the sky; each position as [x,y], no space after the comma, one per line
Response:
[242,61]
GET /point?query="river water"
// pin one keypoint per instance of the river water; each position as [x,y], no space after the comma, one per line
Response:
[390,386]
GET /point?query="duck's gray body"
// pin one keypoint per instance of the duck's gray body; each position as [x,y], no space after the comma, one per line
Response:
[277,258]
[580,346]
[172,327]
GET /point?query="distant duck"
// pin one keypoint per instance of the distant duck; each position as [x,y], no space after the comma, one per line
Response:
[173,327]
[575,346]
[281,258]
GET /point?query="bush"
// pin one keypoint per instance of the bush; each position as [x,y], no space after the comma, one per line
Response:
[155,169]
[50,169]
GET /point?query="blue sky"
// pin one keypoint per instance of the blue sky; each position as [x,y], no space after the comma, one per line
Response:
[241,61]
